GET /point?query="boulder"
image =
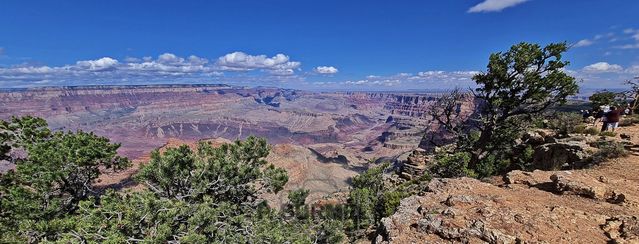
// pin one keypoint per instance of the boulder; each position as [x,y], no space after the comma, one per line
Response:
[558,155]
[566,183]
[533,138]
[622,229]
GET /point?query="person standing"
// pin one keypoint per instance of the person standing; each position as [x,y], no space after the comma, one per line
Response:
[603,115]
[612,118]
[599,116]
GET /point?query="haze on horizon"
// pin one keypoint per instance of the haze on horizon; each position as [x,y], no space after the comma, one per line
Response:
[335,45]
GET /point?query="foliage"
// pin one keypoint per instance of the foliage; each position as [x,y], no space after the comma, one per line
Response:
[525,158]
[629,120]
[632,95]
[602,98]
[518,86]
[564,123]
[48,184]
[390,201]
[370,200]
[608,133]
[447,113]
[226,173]
[608,150]
[591,131]
[202,196]
[453,165]
[144,216]
[297,206]
[522,82]
[19,132]
[580,129]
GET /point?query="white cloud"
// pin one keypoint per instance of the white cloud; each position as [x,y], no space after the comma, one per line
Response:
[444,76]
[494,5]
[634,70]
[633,36]
[102,64]
[110,70]
[239,61]
[584,43]
[164,68]
[603,67]
[430,79]
[629,46]
[382,82]
[132,60]
[326,70]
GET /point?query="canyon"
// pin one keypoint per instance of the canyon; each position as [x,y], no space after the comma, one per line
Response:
[322,139]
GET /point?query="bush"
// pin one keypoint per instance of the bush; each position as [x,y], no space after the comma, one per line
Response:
[580,129]
[608,133]
[602,98]
[453,165]
[629,120]
[564,123]
[608,150]
[390,201]
[591,131]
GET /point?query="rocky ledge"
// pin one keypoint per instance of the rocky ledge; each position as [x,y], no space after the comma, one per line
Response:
[594,205]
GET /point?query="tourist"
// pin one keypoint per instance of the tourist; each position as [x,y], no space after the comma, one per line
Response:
[612,118]
[585,114]
[600,116]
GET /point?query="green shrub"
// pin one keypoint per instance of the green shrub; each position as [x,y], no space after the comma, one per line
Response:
[390,201]
[580,129]
[591,131]
[539,122]
[564,123]
[608,150]
[608,133]
[453,165]
[629,120]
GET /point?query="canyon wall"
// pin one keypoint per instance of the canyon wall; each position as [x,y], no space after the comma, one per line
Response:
[144,117]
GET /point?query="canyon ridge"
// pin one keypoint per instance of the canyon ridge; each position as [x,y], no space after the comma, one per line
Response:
[321,139]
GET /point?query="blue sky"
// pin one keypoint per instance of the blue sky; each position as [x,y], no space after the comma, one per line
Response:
[318,45]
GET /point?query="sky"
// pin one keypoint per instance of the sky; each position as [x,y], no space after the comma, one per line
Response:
[303,44]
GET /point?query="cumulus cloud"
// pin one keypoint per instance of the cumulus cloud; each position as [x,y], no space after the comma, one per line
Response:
[603,67]
[584,43]
[102,64]
[166,67]
[326,70]
[634,70]
[279,64]
[494,5]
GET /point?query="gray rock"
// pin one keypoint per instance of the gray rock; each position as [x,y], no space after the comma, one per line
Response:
[554,156]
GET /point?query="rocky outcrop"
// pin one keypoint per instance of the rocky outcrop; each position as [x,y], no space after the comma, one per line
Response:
[415,165]
[596,205]
[558,155]
[567,183]
[622,229]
